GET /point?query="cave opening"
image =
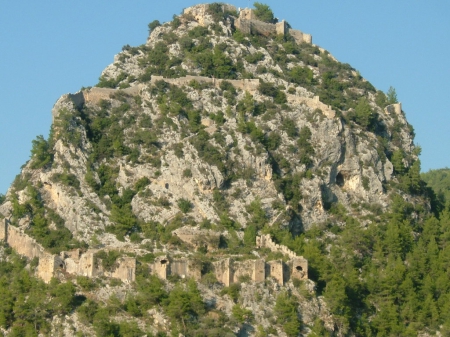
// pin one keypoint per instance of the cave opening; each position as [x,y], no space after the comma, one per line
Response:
[340,179]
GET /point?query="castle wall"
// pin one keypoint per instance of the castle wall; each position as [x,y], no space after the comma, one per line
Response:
[298,268]
[255,269]
[48,264]
[265,241]
[3,226]
[79,263]
[394,108]
[275,269]
[126,269]
[22,243]
[300,37]
[95,94]
[314,103]
[185,268]
[223,272]
[161,267]
[198,237]
[250,85]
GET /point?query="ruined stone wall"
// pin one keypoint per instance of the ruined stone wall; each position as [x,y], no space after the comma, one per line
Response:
[198,237]
[3,226]
[275,269]
[185,268]
[250,85]
[255,269]
[257,27]
[73,262]
[247,14]
[298,268]
[79,263]
[22,243]
[95,94]
[314,103]
[223,271]
[300,37]
[265,241]
[394,108]
[160,267]
[126,269]
[48,264]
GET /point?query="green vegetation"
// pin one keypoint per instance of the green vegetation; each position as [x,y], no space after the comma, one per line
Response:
[28,304]
[439,181]
[263,12]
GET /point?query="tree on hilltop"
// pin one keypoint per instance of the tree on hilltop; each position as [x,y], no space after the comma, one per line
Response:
[263,12]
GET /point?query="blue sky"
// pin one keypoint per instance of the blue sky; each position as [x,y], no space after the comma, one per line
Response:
[49,48]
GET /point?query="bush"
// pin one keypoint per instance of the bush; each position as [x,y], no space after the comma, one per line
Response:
[152,25]
[185,205]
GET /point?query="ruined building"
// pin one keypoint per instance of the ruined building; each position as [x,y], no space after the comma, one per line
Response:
[248,23]
[74,262]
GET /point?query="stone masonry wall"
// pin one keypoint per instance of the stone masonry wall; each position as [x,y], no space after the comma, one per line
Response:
[250,85]
[314,103]
[74,262]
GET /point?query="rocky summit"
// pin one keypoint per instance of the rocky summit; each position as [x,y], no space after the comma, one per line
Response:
[225,178]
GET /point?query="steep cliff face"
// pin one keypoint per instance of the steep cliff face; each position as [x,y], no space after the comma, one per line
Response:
[206,126]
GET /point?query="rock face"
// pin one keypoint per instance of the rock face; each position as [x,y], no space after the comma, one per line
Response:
[218,129]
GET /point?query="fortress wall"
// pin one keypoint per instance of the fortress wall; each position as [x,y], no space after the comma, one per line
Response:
[393,108]
[266,241]
[77,99]
[23,244]
[95,94]
[299,268]
[313,103]
[300,37]
[255,269]
[281,28]
[198,237]
[275,270]
[126,269]
[3,227]
[185,268]
[180,268]
[247,14]
[223,272]
[250,85]
[48,264]
[160,267]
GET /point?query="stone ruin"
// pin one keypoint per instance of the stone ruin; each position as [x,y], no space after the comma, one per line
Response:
[227,271]
[199,238]
[165,266]
[248,23]
[231,270]
[74,262]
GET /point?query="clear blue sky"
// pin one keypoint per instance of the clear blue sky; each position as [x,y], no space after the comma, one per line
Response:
[49,48]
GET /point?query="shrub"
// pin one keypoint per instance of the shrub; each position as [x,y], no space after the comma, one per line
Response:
[184,205]
[152,25]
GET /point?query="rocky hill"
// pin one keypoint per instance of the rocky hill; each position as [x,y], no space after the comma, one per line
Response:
[227,177]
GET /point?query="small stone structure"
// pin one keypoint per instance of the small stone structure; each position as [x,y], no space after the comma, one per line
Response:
[393,108]
[198,238]
[74,262]
[163,267]
[228,271]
